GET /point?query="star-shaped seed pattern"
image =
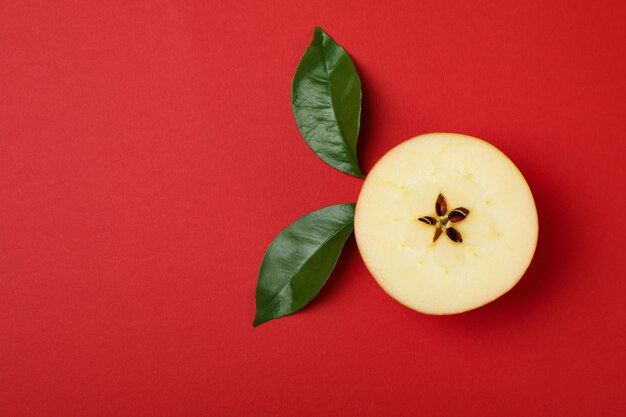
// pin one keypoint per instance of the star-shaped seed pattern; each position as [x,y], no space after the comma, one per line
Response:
[442,222]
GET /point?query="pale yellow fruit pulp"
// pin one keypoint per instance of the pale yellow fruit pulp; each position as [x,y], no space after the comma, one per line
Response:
[446,277]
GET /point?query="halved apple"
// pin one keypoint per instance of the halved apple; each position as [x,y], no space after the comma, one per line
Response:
[446,223]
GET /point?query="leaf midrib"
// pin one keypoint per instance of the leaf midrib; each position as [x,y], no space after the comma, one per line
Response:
[332,106]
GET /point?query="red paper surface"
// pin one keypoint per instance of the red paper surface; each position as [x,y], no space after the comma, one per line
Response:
[148,156]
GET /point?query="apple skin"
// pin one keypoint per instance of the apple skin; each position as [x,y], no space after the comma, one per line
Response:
[445,277]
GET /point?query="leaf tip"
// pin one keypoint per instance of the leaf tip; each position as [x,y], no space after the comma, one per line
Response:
[318,33]
[258,321]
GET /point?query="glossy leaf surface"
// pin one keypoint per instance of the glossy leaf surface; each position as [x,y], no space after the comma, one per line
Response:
[326,102]
[299,261]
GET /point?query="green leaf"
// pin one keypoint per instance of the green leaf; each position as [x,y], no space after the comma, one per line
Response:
[326,102]
[300,259]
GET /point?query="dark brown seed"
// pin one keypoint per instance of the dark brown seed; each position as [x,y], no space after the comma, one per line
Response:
[437,234]
[454,235]
[428,220]
[441,207]
[458,214]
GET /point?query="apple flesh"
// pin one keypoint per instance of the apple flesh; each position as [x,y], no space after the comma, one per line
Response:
[499,234]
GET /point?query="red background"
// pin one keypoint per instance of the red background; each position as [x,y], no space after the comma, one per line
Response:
[148,156]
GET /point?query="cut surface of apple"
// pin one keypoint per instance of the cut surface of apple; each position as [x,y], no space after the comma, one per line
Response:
[493,232]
